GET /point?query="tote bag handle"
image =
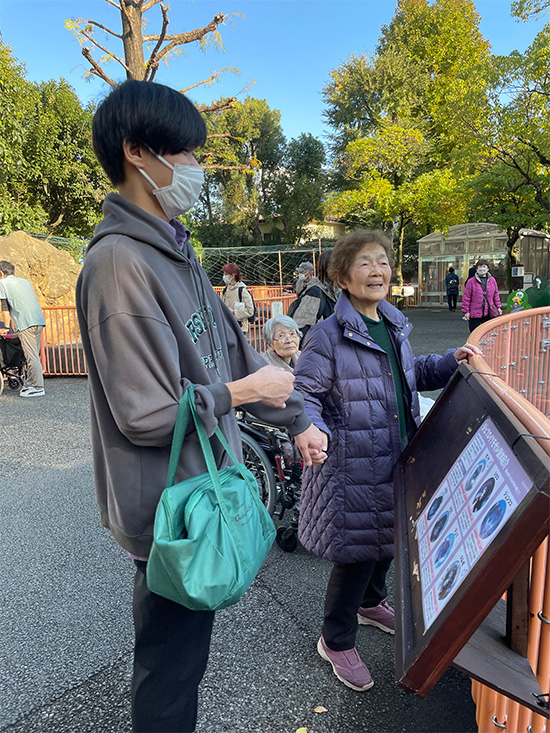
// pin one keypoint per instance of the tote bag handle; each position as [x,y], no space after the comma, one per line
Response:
[186,408]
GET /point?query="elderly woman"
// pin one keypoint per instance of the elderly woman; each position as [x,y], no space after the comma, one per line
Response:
[282,337]
[359,380]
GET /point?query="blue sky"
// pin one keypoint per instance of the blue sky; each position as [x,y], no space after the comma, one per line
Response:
[287,47]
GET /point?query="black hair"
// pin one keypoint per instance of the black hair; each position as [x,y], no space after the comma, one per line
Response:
[451,269]
[144,113]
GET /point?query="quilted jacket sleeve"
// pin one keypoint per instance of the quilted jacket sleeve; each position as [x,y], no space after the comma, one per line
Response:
[315,376]
[434,371]
[467,296]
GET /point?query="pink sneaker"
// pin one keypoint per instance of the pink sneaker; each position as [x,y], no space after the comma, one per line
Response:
[382,616]
[347,666]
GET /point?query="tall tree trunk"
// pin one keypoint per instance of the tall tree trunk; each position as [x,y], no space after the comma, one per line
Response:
[399,252]
[257,232]
[132,40]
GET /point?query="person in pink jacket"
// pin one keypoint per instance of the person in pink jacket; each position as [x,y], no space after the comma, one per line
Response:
[481,300]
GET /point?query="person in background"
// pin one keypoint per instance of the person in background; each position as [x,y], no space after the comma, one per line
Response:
[309,306]
[282,338]
[236,296]
[151,326]
[481,300]
[451,284]
[471,272]
[329,289]
[17,299]
[360,384]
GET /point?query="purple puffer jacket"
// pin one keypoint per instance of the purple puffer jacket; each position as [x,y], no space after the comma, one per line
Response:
[346,508]
[472,298]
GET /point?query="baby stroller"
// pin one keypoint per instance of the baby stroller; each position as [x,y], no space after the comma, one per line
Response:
[12,362]
[273,459]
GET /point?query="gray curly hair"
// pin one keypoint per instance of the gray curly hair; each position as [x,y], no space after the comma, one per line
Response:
[268,330]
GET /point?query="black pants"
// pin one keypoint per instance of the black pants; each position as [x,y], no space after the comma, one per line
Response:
[170,656]
[350,587]
[475,322]
[451,299]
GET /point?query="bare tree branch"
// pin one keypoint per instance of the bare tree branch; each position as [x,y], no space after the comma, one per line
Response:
[96,68]
[103,28]
[227,168]
[105,50]
[152,64]
[116,5]
[182,38]
[150,4]
[215,75]
[228,104]
[222,134]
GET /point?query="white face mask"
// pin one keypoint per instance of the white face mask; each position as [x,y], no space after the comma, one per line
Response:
[227,279]
[301,276]
[182,194]
[482,271]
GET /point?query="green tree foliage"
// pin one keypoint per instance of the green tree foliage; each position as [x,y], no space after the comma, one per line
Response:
[50,180]
[526,9]
[299,188]
[254,176]
[244,149]
[512,185]
[396,144]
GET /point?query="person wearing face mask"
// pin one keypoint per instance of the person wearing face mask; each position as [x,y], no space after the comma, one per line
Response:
[236,296]
[152,325]
[309,306]
[481,300]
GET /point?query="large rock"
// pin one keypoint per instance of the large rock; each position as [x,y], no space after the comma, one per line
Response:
[52,272]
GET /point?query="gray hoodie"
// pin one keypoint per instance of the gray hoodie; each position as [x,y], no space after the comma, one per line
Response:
[151,325]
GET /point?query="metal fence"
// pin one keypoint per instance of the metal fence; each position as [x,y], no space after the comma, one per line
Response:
[61,348]
[516,363]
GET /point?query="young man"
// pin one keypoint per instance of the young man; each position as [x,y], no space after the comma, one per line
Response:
[18,301]
[152,325]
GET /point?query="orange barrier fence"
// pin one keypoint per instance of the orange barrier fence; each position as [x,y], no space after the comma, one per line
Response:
[516,363]
[61,347]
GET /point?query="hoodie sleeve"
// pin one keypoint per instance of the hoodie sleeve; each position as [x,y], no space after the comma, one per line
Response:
[135,356]
[142,381]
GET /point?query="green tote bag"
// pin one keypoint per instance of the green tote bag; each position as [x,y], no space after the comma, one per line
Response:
[211,532]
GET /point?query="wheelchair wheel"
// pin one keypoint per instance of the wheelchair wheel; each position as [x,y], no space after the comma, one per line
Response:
[14,382]
[257,462]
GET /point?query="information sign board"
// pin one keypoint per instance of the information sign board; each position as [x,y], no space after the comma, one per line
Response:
[472,495]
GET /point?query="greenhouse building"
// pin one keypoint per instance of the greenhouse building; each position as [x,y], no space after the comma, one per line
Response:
[464,244]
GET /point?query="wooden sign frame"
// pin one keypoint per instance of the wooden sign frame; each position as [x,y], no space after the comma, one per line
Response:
[437,611]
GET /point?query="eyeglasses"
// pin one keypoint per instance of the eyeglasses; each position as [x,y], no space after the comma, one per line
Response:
[292,335]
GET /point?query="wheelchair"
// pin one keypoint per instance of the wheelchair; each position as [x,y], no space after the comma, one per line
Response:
[273,459]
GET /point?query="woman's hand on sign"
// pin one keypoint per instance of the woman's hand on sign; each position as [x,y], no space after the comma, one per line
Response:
[465,351]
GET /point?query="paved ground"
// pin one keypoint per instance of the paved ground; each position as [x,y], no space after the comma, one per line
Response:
[65,589]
